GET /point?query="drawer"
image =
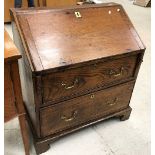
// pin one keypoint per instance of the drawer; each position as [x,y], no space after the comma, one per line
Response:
[80,110]
[72,82]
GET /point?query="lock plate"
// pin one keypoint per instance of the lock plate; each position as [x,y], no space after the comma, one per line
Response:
[78,14]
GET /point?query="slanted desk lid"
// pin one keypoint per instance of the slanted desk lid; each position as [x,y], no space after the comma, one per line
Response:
[59,37]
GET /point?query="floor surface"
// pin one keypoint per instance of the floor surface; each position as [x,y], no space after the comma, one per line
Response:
[110,137]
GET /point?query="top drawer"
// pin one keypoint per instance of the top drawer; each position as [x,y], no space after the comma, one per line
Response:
[73,82]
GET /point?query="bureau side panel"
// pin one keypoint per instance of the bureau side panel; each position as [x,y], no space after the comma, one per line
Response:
[27,80]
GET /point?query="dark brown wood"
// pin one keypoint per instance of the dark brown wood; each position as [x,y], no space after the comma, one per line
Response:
[78,72]
[58,86]
[44,142]
[42,147]
[126,115]
[83,109]
[13,101]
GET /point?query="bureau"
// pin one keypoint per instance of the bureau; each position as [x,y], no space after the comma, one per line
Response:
[79,66]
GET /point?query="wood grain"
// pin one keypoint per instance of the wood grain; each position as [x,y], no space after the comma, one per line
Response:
[101,29]
[85,108]
[77,71]
[42,145]
[73,82]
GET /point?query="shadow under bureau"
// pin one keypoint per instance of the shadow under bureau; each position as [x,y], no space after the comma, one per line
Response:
[79,66]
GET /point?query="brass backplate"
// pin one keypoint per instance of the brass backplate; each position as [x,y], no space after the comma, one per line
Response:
[78,14]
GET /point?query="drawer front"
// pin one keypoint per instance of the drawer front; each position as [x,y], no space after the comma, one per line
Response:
[71,83]
[80,110]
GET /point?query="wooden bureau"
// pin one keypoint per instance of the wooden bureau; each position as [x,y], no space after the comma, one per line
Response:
[79,66]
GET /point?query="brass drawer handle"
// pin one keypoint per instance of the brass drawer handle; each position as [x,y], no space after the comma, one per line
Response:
[117,74]
[113,102]
[72,117]
[71,86]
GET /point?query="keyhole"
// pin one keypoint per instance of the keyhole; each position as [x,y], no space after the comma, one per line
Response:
[77,14]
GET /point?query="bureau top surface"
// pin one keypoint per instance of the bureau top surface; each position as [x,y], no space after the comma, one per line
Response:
[56,37]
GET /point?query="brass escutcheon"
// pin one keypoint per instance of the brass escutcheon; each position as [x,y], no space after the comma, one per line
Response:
[92,96]
[78,14]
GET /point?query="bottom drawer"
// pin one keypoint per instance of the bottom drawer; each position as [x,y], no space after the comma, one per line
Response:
[82,109]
